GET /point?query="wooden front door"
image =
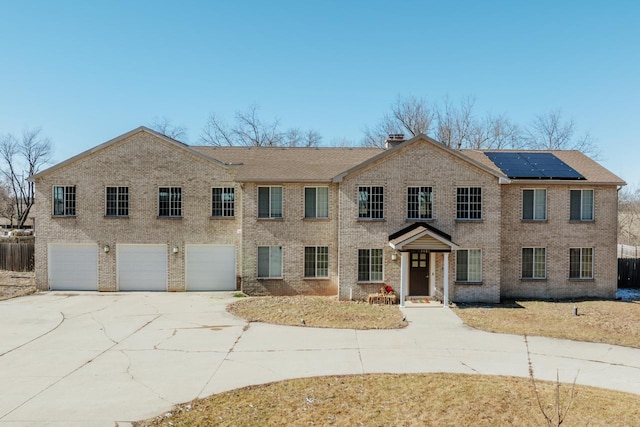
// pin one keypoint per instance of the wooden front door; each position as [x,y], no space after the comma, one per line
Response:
[419,274]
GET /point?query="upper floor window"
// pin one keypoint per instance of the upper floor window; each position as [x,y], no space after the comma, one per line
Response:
[469,265]
[369,265]
[371,202]
[170,202]
[581,205]
[534,263]
[270,261]
[223,201]
[269,202]
[469,203]
[534,204]
[316,261]
[581,263]
[64,200]
[316,202]
[419,202]
[117,201]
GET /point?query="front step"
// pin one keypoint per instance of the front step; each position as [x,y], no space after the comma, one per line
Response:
[426,301]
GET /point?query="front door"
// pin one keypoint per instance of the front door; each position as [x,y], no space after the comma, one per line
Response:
[419,274]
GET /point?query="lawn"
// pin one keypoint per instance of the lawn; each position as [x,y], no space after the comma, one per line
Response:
[16,284]
[402,400]
[319,312]
[611,322]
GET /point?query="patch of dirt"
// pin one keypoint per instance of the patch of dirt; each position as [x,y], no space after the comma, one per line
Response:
[15,284]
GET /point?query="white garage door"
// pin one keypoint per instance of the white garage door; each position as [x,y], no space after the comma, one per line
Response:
[73,267]
[142,267]
[210,268]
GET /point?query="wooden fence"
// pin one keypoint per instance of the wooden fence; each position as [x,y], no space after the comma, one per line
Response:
[629,273]
[16,256]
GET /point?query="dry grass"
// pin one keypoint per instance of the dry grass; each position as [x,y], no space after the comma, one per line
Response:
[16,284]
[319,312]
[401,400]
[611,322]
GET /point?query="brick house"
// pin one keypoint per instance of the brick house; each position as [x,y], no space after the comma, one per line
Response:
[146,212]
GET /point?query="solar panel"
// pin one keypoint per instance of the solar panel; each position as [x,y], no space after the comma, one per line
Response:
[523,165]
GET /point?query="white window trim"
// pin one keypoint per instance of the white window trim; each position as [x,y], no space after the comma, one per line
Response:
[407,202]
[280,276]
[315,273]
[593,206]
[533,214]
[271,216]
[533,269]
[481,267]
[370,264]
[223,188]
[593,263]
[369,216]
[469,204]
[304,190]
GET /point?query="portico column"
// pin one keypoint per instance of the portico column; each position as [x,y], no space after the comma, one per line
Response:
[445,298]
[404,276]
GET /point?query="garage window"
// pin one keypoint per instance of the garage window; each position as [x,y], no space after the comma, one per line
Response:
[64,200]
[270,262]
[170,202]
[117,201]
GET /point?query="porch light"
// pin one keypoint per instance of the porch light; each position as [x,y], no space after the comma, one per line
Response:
[175,249]
[394,256]
[106,249]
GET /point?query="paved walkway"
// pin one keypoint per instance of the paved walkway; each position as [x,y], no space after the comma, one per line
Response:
[91,359]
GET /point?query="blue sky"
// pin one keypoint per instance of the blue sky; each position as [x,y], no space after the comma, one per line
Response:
[87,71]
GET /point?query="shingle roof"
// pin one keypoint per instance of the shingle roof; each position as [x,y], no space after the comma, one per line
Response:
[590,169]
[280,164]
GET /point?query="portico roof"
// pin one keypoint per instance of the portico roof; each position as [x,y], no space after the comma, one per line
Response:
[421,236]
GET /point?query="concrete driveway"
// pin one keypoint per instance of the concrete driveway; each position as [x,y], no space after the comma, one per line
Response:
[70,358]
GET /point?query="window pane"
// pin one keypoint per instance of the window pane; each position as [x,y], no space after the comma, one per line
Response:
[462,266]
[574,263]
[462,199]
[322,267]
[263,261]
[309,202]
[309,262]
[263,202]
[587,263]
[475,265]
[363,264]
[376,264]
[575,205]
[527,204]
[322,204]
[412,202]
[587,205]
[275,262]
[475,200]
[527,262]
[58,200]
[216,202]
[363,202]
[539,263]
[540,204]
[276,202]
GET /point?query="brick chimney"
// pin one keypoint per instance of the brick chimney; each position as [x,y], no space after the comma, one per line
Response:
[393,140]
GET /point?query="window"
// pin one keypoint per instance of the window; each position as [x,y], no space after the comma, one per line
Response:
[534,204]
[469,203]
[64,201]
[419,202]
[369,265]
[371,202]
[270,261]
[223,202]
[534,263]
[581,263]
[316,261]
[117,203]
[581,205]
[170,202]
[469,265]
[269,202]
[316,202]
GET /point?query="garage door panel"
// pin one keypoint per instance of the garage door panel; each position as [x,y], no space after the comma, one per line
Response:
[73,267]
[210,268]
[142,267]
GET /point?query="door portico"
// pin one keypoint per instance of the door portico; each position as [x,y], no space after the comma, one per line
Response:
[418,245]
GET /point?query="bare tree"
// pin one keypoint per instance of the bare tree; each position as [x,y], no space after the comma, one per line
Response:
[167,128]
[456,124]
[494,133]
[551,132]
[249,130]
[411,116]
[21,158]
[629,217]
[7,207]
